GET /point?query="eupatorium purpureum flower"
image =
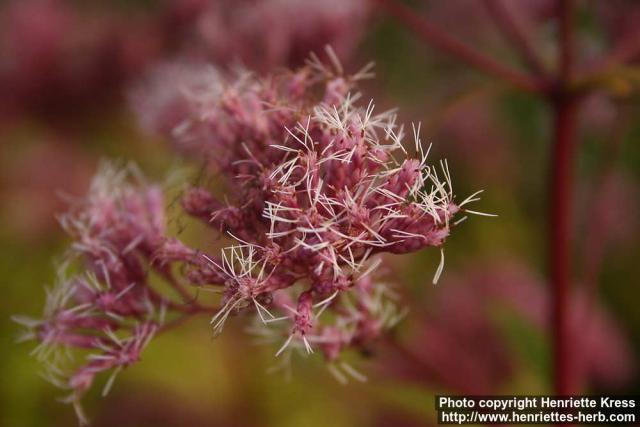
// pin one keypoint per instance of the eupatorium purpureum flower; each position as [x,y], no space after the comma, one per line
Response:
[59,61]
[318,186]
[228,31]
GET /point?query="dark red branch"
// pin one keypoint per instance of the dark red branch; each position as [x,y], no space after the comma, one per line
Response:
[566,49]
[626,50]
[565,105]
[564,146]
[515,34]
[440,40]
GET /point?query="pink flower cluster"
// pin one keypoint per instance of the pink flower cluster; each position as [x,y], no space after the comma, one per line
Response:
[234,30]
[58,61]
[318,186]
[459,345]
[109,310]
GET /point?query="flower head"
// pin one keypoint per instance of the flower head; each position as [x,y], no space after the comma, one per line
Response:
[319,185]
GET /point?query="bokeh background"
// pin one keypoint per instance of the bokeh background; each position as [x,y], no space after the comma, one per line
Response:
[69,74]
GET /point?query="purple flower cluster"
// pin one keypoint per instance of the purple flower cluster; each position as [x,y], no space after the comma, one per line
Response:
[318,186]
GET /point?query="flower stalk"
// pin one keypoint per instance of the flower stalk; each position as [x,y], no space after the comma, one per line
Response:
[563,98]
[560,187]
[440,40]
[565,104]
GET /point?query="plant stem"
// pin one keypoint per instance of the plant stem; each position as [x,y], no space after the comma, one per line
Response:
[515,34]
[566,48]
[564,146]
[565,104]
[442,41]
[564,99]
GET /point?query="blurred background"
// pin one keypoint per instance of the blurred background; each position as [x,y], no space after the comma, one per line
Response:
[69,74]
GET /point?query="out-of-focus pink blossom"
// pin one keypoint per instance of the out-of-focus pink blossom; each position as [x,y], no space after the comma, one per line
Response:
[232,31]
[616,200]
[462,347]
[32,194]
[477,133]
[161,101]
[232,34]
[619,17]
[598,114]
[57,60]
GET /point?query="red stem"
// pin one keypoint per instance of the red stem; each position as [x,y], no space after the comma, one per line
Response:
[565,102]
[564,146]
[566,50]
[440,40]
[515,34]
